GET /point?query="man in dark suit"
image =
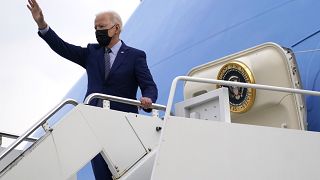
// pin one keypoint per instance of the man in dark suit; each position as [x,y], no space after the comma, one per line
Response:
[112,67]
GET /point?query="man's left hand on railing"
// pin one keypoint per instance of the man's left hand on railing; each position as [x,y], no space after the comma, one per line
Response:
[145,102]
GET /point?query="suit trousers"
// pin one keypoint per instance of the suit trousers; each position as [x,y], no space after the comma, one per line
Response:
[100,168]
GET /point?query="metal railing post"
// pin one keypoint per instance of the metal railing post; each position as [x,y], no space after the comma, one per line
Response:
[155,113]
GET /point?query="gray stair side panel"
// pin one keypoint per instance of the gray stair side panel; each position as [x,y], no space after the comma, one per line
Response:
[206,150]
[121,146]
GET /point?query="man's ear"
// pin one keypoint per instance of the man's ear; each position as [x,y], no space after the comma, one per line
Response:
[118,28]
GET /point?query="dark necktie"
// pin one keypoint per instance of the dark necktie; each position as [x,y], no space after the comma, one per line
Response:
[107,62]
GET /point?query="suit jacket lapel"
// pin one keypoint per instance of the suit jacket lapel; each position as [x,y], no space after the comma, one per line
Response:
[119,58]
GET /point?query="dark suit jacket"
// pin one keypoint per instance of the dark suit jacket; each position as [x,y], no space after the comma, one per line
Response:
[128,71]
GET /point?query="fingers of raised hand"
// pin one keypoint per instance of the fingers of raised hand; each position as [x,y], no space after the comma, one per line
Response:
[29,7]
[33,4]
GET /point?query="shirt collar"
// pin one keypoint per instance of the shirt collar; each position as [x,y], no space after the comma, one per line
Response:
[116,47]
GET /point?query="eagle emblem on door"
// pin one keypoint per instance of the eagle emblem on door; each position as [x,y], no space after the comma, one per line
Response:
[241,99]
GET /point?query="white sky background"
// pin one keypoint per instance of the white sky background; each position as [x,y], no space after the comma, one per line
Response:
[33,78]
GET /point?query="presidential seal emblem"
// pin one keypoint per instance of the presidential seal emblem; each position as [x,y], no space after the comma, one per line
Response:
[241,99]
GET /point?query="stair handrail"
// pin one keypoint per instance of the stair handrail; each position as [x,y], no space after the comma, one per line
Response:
[41,122]
[14,136]
[121,100]
[229,83]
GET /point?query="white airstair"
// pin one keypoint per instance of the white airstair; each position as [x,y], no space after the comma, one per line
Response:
[200,142]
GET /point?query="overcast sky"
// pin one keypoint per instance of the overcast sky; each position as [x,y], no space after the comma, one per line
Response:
[33,78]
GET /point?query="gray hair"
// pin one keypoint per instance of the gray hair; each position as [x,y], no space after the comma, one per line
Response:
[114,17]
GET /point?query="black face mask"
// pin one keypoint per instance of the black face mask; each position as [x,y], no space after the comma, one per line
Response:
[103,37]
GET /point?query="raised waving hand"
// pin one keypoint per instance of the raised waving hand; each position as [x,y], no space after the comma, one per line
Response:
[37,14]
